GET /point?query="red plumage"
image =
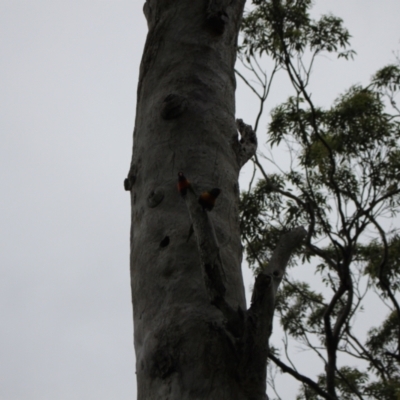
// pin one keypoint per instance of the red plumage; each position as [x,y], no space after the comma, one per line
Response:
[207,199]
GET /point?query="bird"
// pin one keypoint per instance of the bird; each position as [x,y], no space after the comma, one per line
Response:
[207,198]
[183,184]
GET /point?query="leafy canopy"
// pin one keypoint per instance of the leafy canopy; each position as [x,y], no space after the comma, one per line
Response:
[342,184]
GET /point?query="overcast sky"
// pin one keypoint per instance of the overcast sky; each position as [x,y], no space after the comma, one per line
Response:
[68,79]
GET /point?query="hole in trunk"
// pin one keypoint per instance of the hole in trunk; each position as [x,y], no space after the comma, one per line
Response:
[164,242]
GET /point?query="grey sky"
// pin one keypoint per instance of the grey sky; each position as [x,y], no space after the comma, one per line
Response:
[67,90]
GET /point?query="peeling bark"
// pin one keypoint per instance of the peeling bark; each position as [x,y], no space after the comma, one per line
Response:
[247,146]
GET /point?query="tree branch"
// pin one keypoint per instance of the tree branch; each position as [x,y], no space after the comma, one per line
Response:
[366,355]
[280,257]
[260,314]
[313,385]
[248,84]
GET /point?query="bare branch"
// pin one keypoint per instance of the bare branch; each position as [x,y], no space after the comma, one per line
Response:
[248,84]
[271,379]
[260,314]
[280,257]
[267,89]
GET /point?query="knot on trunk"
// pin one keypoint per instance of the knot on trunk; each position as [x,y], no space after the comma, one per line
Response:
[155,197]
[173,106]
[131,178]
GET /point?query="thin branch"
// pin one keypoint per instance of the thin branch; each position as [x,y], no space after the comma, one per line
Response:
[252,177]
[254,253]
[262,81]
[367,355]
[304,295]
[265,95]
[312,247]
[310,67]
[286,347]
[248,84]
[271,380]
[313,385]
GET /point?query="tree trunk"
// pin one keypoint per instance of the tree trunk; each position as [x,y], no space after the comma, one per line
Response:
[187,290]
[185,121]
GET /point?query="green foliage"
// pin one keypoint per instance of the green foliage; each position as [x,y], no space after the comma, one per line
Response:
[348,381]
[281,28]
[382,342]
[301,309]
[358,121]
[341,182]
[307,393]
[388,78]
[344,151]
[380,269]
[352,143]
[346,174]
[389,390]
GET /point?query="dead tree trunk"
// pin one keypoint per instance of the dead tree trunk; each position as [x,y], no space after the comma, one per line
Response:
[194,338]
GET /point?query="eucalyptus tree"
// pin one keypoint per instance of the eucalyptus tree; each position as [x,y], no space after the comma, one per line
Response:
[341,183]
[193,336]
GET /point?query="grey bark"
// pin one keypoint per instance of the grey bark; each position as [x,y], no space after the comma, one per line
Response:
[188,298]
